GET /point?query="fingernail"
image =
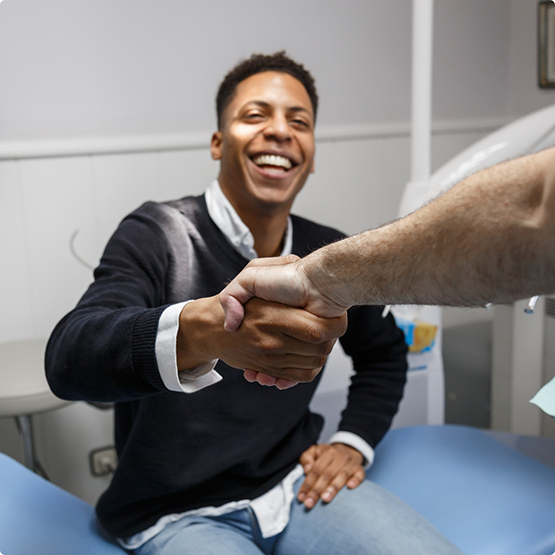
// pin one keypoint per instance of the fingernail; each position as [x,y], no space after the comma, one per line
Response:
[301,497]
[326,496]
[309,503]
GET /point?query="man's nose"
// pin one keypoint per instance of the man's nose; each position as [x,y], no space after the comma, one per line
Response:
[278,128]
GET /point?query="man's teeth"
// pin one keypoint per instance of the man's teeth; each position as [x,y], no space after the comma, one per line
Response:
[273,160]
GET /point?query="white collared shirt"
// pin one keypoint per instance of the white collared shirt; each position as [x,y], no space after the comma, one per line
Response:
[273,508]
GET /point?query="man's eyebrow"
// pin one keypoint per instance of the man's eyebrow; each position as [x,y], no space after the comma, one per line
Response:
[299,109]
[264,104]
[260,103]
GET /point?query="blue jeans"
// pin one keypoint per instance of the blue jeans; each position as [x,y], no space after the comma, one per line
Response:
[365,521]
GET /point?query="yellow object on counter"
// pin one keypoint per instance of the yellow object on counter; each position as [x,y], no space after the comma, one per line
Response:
[419,335]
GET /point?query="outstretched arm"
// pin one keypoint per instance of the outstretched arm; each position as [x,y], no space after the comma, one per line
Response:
[491,238]
[106,348]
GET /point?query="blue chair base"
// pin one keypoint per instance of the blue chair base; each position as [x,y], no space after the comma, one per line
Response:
[485,497]
[39,518]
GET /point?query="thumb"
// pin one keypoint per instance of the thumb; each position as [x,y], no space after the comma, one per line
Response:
[243,288]
[233,308]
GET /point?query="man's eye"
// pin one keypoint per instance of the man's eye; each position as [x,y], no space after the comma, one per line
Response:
[300,122]
[254,116]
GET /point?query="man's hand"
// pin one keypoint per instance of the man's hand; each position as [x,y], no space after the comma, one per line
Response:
[327,469]
[286,344]
[280,280]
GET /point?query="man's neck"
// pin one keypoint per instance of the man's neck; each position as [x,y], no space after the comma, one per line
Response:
[268,232]
[267,224]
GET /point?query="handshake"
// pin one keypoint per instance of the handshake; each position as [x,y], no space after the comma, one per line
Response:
[295,283]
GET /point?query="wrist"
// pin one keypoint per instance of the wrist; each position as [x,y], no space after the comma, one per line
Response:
[324,282]
[197,322]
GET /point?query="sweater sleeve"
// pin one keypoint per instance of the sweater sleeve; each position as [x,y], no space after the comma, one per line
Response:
[378,351]
[104,349]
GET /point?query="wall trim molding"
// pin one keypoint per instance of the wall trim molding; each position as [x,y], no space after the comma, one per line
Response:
[162,142]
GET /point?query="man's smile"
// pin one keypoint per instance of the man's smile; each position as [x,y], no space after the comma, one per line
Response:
[272,161]
[272,164]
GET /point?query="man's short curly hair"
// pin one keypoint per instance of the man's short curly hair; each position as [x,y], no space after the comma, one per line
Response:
[259,63]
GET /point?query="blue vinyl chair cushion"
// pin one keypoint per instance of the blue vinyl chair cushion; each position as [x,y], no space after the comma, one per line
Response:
[37,517]
[485,497]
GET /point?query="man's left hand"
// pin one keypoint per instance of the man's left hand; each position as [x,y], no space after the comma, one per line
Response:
[327,469]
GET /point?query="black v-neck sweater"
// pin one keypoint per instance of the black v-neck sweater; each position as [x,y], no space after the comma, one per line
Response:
[230,441]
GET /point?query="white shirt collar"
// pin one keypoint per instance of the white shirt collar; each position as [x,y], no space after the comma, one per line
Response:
[234,229]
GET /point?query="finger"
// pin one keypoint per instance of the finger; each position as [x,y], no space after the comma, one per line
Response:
[274,363]
[283,383]
[341,480]
[250,375]
[296,375]
[233,307]
[307,460]
[280,351]
[265,379]
[308,457]
[275,328]
[273,261]
[282,378]
[308,328]
[356,479]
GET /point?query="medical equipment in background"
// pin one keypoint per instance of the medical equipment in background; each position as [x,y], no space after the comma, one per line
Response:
[519,362]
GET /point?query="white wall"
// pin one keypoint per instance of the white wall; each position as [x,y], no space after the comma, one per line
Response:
[471,40]
[86,67]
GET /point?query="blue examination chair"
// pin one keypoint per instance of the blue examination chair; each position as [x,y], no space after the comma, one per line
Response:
[39,518]
[487,498]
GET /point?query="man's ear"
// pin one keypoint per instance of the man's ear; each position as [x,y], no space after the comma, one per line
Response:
[313,167]
[216,146]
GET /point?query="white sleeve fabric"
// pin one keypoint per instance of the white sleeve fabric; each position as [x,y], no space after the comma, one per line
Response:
[356,442]
[190,381]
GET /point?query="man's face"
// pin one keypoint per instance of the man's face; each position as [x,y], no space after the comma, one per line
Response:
[266,146]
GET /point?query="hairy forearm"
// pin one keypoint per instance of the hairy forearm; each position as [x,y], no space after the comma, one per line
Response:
[489,239]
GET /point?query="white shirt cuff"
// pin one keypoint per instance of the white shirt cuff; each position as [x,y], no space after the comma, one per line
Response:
[166,356]
[356,442]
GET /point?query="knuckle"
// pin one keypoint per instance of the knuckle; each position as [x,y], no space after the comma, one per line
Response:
[326,347]
[316,333]
[320,361]
[317,489]
[265,346]
[343,324]
[343,475]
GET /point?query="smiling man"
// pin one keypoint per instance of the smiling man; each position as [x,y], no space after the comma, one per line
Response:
[209,463]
